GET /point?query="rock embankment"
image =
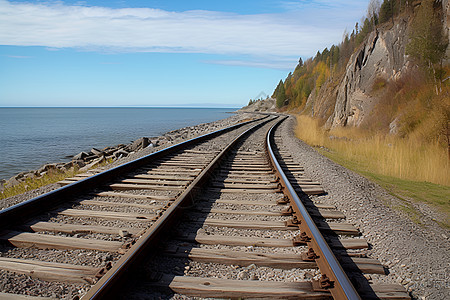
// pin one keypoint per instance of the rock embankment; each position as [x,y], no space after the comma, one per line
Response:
[82,161]
[114,155]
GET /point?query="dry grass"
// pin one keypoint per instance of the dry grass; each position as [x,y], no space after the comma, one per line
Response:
[405,167]
[34,183]
[404,158]
[48,178]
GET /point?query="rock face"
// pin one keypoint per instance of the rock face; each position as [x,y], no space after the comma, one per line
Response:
[381,57]
[446,10]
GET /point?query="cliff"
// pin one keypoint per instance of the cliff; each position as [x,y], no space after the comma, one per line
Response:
[380,57]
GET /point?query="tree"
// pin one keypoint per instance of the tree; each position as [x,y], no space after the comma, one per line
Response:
[428,42]
[391,8]
[373,11]
[335,52]
[386,11]
[280,94]
[300,62]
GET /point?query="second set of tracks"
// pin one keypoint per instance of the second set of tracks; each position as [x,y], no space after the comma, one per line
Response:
[222,216]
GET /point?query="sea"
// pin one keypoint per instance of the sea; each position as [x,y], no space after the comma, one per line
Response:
[32,137]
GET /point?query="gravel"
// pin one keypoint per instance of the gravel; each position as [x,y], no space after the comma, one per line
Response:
[182,266]
[417,256]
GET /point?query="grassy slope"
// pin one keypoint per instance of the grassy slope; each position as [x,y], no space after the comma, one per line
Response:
[436,195]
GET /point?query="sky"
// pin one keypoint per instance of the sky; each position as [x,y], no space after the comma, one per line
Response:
[160,53]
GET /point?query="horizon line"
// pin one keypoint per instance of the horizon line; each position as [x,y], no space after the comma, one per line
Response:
[124,106]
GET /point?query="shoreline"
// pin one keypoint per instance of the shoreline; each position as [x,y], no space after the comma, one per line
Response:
[32,137]
[113,156]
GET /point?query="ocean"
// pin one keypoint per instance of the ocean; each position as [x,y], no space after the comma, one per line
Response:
[32,137]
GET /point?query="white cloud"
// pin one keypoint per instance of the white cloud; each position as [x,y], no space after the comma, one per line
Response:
[18,56]
[287,64]
[55,25]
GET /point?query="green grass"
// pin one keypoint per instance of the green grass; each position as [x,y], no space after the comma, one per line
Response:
[437,196]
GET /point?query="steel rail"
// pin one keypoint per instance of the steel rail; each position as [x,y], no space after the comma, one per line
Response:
[19,213]
[106,286]
[341,288]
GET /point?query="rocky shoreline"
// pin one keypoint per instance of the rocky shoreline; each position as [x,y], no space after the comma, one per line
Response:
[87,160]
[113,156]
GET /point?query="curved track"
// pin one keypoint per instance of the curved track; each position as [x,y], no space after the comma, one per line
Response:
[219,216]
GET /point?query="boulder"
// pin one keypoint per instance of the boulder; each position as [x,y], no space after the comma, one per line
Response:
[80,156]
[120,153]
[68,165]
[108,151]
[20,176]
[139,144]
[28,175]
[90,157]
[46,168]
[93,164]
[97,152]
[110,157]
[79,163]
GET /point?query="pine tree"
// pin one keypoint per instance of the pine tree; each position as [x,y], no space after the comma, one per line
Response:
[427,41]
[280,94]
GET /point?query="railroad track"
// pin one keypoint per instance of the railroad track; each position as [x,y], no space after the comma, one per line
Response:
[208,218]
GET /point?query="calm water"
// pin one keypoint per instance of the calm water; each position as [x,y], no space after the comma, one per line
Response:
[31,137]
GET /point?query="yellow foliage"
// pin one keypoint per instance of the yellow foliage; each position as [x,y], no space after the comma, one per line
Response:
[322,72]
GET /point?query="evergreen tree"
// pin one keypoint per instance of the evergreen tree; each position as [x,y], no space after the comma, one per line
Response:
[427,41]
[280,94]
[386,10]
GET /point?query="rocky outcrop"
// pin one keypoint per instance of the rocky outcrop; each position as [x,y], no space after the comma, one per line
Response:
[446,10]
[267,105]
[381,57]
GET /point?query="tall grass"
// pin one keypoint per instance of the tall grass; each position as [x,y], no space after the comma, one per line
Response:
[405,158]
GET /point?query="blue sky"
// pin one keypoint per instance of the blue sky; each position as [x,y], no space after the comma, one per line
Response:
[162,52]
